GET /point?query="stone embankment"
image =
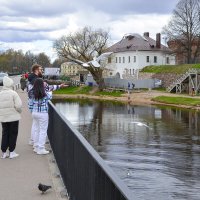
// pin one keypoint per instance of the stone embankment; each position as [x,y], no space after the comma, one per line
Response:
[167,78]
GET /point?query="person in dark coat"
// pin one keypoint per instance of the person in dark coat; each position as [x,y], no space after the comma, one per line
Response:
[23,82]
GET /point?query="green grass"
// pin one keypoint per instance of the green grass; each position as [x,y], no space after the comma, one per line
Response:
[84,90]
[178,100]
[74,90]
[177,69]
[87,90]
[160,89]
[113,93]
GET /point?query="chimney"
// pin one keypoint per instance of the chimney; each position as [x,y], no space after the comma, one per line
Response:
[146,34]
[158,40]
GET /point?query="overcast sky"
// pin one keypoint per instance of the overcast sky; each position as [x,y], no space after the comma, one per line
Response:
[35,24]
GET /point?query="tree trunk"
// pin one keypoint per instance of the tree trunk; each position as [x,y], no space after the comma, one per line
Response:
[100,82]
[189,56]
[98,77]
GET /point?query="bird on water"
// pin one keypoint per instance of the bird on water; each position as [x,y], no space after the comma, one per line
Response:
[140,124]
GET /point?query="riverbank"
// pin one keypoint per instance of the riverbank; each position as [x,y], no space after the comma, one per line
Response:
[139,97]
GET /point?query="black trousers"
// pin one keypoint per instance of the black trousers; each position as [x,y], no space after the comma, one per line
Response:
[9,135]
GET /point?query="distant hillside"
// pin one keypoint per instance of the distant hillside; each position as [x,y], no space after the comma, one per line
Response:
[175,69]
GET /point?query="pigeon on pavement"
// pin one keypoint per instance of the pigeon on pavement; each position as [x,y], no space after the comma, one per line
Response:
[43,188]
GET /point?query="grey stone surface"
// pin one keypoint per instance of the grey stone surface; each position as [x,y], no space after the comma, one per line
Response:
[19,177]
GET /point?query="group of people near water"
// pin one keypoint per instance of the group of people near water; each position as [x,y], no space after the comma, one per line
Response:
[39,93]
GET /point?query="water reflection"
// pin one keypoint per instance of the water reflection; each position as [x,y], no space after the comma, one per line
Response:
[158,163]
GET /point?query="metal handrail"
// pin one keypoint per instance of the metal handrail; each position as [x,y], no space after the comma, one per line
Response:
[84,172]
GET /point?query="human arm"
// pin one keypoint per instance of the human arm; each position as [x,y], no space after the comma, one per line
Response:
[50,88]
[49,95]
[17,102]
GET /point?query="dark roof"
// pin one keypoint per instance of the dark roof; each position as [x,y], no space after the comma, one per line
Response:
[136,42]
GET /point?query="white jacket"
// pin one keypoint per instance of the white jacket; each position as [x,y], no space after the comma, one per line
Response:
[10,102]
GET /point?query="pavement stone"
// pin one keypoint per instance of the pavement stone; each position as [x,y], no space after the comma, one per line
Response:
[19,177]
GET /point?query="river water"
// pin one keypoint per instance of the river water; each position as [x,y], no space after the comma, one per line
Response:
[159,160]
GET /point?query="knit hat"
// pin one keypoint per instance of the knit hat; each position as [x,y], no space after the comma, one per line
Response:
[7,82]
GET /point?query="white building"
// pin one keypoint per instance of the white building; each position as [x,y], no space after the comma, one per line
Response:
[135,52]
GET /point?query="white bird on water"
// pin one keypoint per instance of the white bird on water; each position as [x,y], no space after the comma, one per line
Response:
[140,124]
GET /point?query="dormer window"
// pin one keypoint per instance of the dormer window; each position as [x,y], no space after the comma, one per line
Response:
[129,37]
[129,46]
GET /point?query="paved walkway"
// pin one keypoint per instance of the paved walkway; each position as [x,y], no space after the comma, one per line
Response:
[19,177]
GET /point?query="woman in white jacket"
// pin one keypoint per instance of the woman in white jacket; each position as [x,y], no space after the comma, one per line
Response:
[10,109]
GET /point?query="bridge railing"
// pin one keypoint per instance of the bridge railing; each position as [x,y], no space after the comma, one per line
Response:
[85,174]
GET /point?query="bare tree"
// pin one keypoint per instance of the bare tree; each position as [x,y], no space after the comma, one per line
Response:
[57,62]
[84,45]
[184,29]
[29,59]
[43,60]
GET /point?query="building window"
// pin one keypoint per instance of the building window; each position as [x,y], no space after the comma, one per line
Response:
[111,74]
[129,59]
[116,59]
[109,60]
[119,59]
[167,60]
[123,59]
[155,59]
[147,59]
[133,71]
[134,58]
[130,71]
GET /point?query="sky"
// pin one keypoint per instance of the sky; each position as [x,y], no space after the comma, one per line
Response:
[34,24]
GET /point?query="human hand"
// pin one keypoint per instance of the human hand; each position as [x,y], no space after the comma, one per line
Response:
[63,85]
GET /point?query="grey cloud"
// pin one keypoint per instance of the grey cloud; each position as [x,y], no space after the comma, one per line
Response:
[59,7]
[21,10]
[13,19]
[9,23]
[28,30]
[121,7]
[20,36]
[36,8]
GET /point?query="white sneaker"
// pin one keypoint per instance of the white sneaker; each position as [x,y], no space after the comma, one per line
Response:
[42,152]
[35,149]
[4,155]
[13,155]
[31,142]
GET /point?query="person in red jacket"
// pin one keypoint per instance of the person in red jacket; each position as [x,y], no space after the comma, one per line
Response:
[26,75]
